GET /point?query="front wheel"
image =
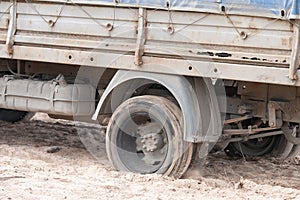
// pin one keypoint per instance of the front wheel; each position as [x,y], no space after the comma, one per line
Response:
[144,135]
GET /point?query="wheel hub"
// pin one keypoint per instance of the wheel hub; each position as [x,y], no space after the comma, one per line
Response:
[152,142]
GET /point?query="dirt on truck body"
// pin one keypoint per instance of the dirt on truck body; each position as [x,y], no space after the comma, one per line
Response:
[169,83]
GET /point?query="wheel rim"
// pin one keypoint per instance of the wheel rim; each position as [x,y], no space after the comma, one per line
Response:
[134,151]
[144,135]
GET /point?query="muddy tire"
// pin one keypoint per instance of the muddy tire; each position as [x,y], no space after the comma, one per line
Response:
[144,136]
[11,115]
[295,151]
[276,146]
[291,150]
[251,147]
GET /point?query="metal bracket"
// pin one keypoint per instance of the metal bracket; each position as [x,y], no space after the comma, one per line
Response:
[141,37]
[295,52]
[275,114]
[12,26]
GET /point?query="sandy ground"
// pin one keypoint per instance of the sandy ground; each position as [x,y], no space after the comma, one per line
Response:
[29,171]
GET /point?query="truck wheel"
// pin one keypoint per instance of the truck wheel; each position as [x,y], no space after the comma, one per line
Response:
[275,145]
[11,115]
[294,149]
[144,135]
[295,152]
[253,147]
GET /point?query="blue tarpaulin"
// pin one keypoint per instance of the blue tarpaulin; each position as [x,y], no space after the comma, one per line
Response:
[270,8]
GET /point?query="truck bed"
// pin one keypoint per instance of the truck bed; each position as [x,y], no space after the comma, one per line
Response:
[224,40]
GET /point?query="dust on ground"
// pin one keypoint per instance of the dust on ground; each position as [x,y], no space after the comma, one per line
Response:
[45,159]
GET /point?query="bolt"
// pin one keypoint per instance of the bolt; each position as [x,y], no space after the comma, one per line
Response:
[243,35]
[109,27]
[51,23]
[170,29]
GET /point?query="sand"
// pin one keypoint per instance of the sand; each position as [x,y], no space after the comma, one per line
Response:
[44,158]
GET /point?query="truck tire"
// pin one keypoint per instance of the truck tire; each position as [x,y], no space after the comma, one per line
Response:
[294,149]
[144,136]
[276,146]
[251,148]
[11,115]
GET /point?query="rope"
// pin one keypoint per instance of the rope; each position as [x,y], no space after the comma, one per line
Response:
[244,35]
[171,29]
[50,22]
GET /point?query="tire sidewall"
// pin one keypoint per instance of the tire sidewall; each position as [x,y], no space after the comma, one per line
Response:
[162,112]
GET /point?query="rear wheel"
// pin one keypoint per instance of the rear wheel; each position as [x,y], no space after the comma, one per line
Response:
[295,135]
[11,115]
[144,135]
[274,145]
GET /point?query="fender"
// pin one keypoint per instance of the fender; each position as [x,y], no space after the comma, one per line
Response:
[187,94]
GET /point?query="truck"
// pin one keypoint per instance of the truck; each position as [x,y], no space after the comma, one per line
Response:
[169,80]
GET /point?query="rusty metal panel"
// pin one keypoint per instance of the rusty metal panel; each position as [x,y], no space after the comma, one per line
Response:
[282,93]
[298,92]
[291,111]
[216,37]
[253,90]
[207,69]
